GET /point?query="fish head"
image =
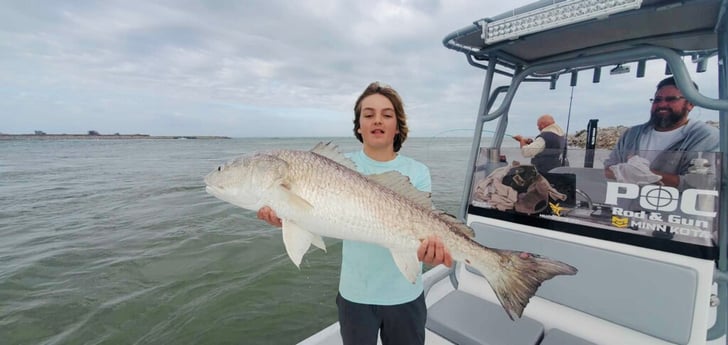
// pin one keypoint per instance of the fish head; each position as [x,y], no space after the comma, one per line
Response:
[247,180]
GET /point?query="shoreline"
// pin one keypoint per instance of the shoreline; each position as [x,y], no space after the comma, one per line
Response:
[102,137]
[607,137]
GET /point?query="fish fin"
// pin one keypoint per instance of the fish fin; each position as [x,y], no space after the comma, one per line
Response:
[332,152]
[401,185]
[518,278]
[318,242]
[296,240]
[455,223]
[296,202]
[407,263]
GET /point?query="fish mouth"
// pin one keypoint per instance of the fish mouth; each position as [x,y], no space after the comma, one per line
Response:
[213,190]
[231,197]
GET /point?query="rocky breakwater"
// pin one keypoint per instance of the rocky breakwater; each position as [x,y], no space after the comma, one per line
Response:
[100,137]
[606,137]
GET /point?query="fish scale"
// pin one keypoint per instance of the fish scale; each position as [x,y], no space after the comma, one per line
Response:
[349,202]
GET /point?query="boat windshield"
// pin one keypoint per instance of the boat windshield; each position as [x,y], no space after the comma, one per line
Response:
[635,207]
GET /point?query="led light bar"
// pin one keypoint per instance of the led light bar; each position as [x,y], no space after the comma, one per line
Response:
[552,16]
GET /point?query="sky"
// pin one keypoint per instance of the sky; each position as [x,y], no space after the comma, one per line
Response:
[269,69]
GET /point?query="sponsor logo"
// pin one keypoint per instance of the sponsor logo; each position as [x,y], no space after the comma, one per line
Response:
[664,199]
[656,221]
[620,222]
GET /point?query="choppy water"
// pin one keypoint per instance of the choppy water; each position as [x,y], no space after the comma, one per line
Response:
[116,242]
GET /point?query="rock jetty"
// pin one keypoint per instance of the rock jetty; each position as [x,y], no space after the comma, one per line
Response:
[606,137]
[100,137]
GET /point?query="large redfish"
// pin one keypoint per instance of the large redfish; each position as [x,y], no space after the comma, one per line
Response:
[319,193]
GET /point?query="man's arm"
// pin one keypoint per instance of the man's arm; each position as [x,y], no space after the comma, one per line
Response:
[521,140]
[616,156]
[671,180]
[530,147]
[608,173]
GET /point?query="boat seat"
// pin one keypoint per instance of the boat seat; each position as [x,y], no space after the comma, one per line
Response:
[666,292]
[558,337]
[454,318]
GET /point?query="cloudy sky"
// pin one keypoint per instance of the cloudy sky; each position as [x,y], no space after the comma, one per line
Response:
[267,68]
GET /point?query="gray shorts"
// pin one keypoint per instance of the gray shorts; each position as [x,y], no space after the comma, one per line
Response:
[398,324]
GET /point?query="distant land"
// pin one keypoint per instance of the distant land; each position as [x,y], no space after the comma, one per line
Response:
[606,137]
[95,136]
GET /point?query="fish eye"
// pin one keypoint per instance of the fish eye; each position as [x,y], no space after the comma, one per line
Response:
[219,168]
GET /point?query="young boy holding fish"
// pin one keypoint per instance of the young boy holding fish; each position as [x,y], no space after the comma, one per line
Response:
[373,295]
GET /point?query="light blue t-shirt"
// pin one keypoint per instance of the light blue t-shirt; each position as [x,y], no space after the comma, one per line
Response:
[368,272]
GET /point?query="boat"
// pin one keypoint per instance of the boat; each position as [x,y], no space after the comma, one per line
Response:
[656,274]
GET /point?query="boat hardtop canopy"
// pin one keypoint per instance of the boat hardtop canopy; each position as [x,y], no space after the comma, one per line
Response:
[553,37]
[690,28]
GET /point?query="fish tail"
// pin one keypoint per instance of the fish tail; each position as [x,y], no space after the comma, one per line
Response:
[518,277]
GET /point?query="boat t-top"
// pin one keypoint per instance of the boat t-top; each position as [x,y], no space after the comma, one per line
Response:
[651,257]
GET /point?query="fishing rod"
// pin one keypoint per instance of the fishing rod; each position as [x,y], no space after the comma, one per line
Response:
[470,130]
[463,129]
[564,160]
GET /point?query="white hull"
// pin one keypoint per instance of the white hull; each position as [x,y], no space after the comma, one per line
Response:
[637,282]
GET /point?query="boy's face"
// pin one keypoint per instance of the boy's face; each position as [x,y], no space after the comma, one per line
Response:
[378,122]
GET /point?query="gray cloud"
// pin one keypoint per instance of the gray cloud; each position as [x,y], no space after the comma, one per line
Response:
[257,68]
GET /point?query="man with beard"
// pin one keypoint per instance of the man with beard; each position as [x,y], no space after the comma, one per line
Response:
[668,141]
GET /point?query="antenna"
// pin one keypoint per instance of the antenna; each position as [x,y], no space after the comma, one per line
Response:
[564,160]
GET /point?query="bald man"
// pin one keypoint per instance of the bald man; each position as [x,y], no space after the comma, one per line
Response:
[545,150]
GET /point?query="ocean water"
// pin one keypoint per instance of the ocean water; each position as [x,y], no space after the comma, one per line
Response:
[116,242]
